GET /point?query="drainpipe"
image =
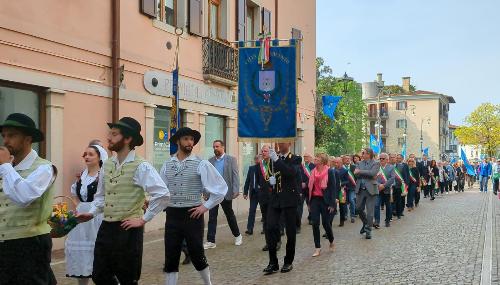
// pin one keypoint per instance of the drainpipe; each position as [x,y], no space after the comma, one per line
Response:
[115,59]
[276,19]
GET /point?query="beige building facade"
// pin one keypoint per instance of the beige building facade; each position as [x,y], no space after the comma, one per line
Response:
[417,118]
[73,65]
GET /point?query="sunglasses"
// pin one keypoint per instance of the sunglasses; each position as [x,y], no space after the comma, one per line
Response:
[382,158]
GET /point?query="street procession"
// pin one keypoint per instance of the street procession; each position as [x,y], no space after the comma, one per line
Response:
[127,125]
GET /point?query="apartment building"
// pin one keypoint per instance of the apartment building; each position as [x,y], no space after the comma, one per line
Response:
[418,118]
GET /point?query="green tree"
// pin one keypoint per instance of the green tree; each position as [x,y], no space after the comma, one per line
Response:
[482,128]
[345,134]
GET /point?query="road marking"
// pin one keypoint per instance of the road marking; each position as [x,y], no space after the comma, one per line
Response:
[158,240]
[488,245]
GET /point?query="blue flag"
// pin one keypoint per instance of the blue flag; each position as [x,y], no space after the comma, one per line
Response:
[403,151]
[426,151]
[470,168]
[330,103]
[380,146]
[267,94]
[374,145]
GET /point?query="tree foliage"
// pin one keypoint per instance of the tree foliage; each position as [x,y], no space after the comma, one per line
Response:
[345,134]
[482,128]
[396,89]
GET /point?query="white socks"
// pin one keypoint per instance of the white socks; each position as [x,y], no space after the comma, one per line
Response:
[171,278]
[205,275]
[83,281]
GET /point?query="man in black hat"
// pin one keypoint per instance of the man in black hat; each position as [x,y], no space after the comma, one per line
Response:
[188,177]
[286,183]
[123,180]
[26,195]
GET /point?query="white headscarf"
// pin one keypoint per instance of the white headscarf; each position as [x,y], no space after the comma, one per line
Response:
[103,154]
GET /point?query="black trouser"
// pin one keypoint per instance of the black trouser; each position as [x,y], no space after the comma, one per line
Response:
[26,261]
[320,209]
[263,211]
[495,186]
[343,211]
[386,199]
[300,209]
[442,187]
[227,207]
[417,196]
[398,201]
[179,226]
[117,255]
[426,190]
[273,232]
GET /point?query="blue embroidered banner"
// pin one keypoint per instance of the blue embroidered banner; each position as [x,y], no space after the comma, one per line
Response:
[267,94]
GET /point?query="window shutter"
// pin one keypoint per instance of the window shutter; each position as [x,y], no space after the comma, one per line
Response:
[181,8]
[266,21]
[149,8]
[242,13]
[196,17]
[297,35]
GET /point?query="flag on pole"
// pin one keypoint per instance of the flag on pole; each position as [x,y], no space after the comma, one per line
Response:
[380,146]
[264,52]
[403,150]
[374,145]
[470,168]
[330,103]
[174,111]
[426,151]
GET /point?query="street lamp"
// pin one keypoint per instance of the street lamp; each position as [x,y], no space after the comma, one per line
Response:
[345,80]
[428,119]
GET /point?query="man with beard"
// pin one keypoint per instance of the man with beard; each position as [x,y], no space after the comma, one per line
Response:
[25,205]
[123,180]
[227,166]
[286,185]
[188,177]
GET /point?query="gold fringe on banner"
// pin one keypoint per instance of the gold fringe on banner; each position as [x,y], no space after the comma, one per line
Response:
[267,140]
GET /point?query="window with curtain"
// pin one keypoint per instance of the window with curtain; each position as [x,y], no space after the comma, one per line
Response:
[214,19]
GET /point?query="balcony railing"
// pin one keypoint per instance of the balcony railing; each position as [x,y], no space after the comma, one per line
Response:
[220,62]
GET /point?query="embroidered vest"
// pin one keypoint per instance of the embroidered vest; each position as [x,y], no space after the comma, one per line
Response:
[123,198]
[184,183]
[17,222]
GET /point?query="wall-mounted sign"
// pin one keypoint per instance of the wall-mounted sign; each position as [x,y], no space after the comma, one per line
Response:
[160,83]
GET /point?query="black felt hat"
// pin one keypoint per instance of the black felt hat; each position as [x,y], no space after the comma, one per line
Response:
[185,131]
[130,126]
[22,121]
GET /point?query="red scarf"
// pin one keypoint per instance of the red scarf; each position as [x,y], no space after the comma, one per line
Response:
[318,179]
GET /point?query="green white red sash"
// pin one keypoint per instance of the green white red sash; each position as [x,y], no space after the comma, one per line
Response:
[412,178]
[404,188]
[342,195]
[307,171]
[264,168]
[381,174]
[350,175]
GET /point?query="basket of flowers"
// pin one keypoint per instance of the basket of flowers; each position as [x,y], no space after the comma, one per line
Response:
[62,220]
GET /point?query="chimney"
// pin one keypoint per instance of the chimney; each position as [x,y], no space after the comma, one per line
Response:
[379,79]
[406,84]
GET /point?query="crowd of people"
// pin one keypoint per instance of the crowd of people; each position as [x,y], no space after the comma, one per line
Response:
[120,194]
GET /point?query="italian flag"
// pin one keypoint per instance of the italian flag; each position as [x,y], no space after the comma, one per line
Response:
[264,52]
[404,188]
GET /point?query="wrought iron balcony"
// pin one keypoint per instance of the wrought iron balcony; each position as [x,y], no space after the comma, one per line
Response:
[220,62]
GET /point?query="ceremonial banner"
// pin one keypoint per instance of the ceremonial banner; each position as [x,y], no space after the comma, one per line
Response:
[267,94]
[174,111]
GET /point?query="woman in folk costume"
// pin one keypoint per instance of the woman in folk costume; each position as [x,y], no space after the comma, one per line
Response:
[324,186]
[79,248]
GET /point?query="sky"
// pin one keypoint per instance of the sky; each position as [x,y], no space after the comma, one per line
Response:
[446,46]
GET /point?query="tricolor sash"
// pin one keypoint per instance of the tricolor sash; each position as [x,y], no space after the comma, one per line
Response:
[307,171]
[382,175]
[342,195]
[404,188]
[350,175]
[412,178]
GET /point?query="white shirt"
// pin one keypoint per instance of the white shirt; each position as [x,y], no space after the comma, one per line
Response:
[24,191]
[146,177]
[221,157]
[212,181]
[86,181]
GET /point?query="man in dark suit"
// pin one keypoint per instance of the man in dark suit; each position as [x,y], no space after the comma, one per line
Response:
[305,171]
[286,186]
[366,190]
[425,176]
[251,191]
[401,179]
